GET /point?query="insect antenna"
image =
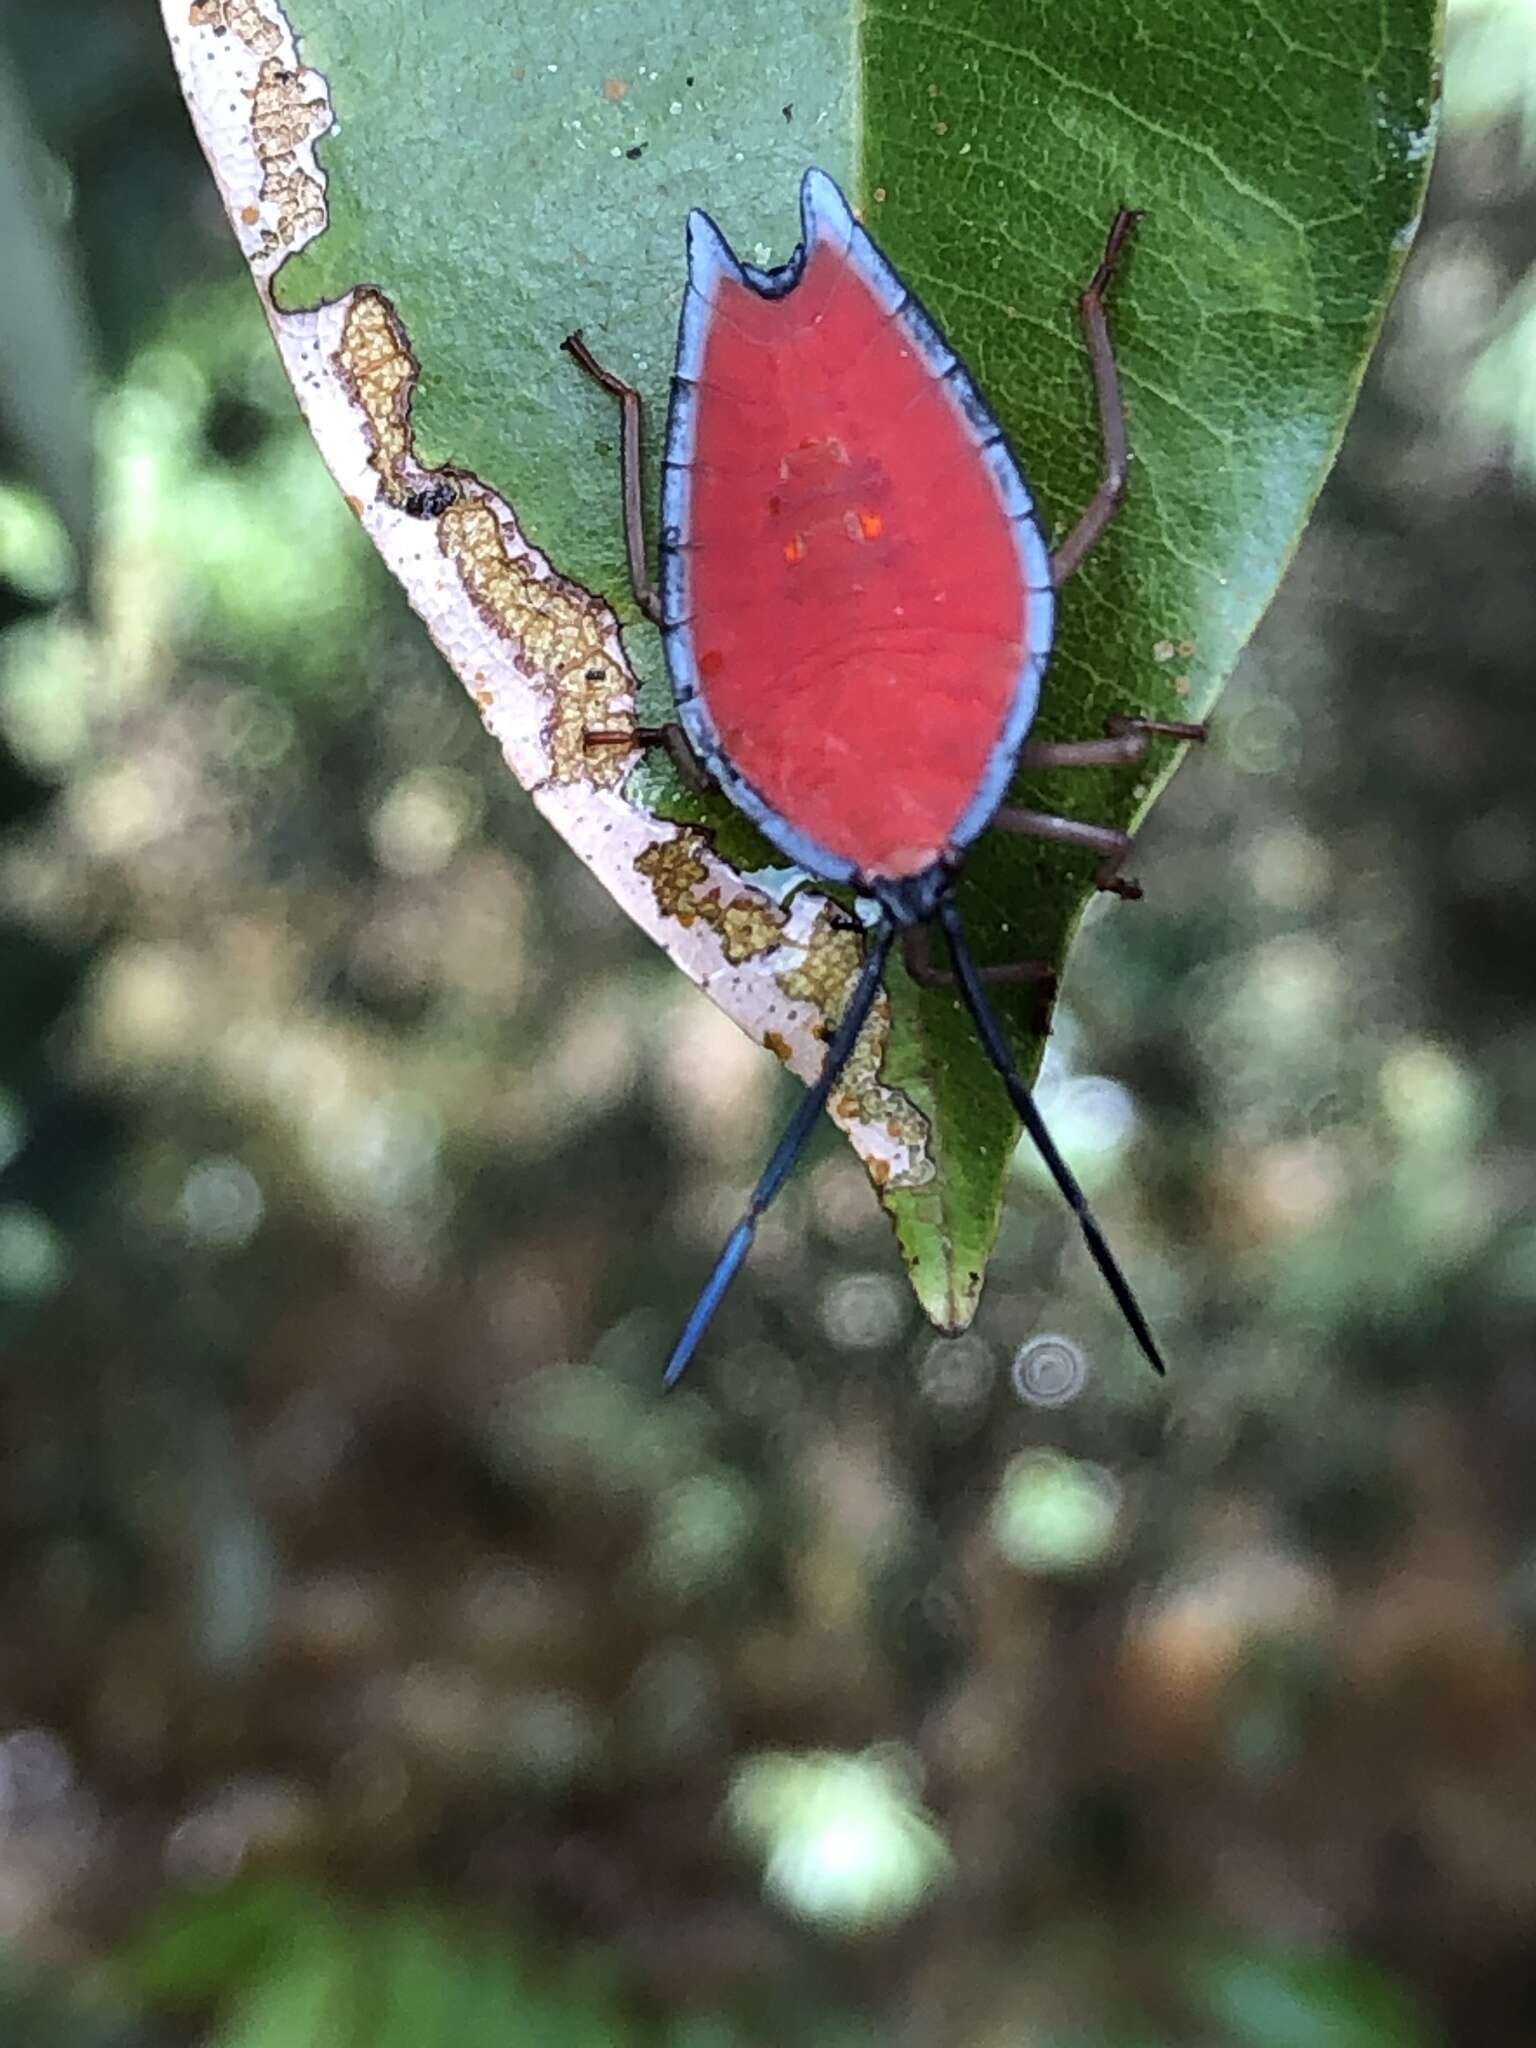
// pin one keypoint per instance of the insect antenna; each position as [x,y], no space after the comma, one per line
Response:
[998,1051]
[789,1148]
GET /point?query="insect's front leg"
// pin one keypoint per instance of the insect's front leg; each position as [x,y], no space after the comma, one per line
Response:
[631,475]
[632,485]
[1105,502]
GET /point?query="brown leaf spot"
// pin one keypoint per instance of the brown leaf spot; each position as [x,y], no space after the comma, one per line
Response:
[825,979]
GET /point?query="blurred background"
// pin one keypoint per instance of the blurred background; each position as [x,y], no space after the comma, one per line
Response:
[379,1658]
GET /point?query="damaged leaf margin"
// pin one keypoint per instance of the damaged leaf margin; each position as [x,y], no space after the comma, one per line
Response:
[540,656]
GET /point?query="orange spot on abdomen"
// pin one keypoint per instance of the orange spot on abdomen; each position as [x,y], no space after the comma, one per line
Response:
[855,567]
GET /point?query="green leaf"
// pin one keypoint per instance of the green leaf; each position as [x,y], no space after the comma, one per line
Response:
[47,351]
[1270,1998]
[285,1966]
[308,1999]
[500,175]
[205,1943]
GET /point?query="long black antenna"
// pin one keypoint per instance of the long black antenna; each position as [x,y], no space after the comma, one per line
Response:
[789,1148]
[1001,1056]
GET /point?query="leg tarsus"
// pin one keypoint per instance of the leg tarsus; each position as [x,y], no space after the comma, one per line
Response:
[1109,881]
[632,412]
[1105,502]
[1196,732]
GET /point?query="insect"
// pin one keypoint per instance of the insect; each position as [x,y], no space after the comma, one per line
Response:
[857,603]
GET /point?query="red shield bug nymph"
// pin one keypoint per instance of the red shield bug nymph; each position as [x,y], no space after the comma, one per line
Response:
[857,603]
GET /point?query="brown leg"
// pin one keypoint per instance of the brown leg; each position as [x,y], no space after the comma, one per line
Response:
[672,737]
[1107,753]
[1105,501]
[1128,741]
[630,473]
[917,951]
[1100,839]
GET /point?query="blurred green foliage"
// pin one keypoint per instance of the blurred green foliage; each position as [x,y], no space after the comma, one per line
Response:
[367,1618]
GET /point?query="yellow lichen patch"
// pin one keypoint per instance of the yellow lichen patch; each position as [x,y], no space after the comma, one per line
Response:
[593,695]
[557,632]
[826,975]
[680,880]
[283,120]
[863,1098]
[297,200]
[825,978]
[379,370]
[242,18]
[749,925]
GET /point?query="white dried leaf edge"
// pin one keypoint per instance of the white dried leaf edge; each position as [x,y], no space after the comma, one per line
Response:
[219,53]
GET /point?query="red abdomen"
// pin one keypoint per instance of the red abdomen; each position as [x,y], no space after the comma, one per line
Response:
[858,598]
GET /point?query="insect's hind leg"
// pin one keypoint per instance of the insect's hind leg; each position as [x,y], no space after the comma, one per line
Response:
[1105,502]
[1106,840]
[1126,740]
[917,957]
[631,476]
